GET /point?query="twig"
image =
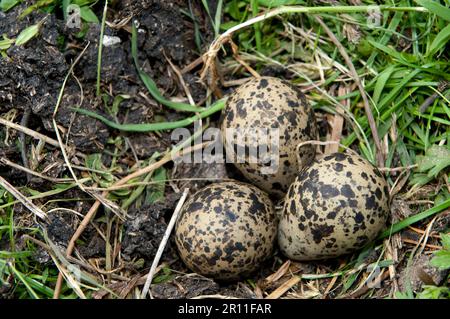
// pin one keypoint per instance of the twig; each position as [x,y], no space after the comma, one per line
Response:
[23,151]
[441,87]
[338,123]
[80,104]
[241,61]
[163,244]
[277,293]
[420,231]
[210,56]
[55,126]
[100,48]
[25,201]
[31,172]
[29,132]
[413,242]
[330,285]
[367,108]
[365,288]
[397,169]
[181,79]
[279,273]
[192,65]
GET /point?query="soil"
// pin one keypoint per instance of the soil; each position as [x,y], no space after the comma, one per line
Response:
[421,273]
[30,82]
[145,228]
[31,78]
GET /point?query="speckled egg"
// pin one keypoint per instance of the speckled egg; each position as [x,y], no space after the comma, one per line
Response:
[226,230]
[334,207]
[269,103]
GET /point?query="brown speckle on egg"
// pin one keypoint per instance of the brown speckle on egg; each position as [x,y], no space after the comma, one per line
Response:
[267,103]
[335,206]
[226,230]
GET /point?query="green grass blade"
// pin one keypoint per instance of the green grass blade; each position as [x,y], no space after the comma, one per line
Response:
[439,41]
[393,93]
[58,189]
[151,85]
[100,48]
[150,127]
[436,8]
[153,89]
[218,17]
[65,4]
[256,26]
[6,5]
[414,219]
[395,21]
[381,82]
[206,6]
[88,15]
[27,34]
[19,275]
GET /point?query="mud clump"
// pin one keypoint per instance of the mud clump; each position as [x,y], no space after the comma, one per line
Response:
[31,78]
[144,230]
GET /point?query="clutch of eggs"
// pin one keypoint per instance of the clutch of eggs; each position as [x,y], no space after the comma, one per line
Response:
[270,103]
[334,207]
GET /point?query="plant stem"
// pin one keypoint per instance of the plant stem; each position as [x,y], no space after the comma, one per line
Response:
[100,47]
[257,26]
[150,127]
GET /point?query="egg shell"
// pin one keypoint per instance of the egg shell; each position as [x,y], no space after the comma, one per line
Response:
[267,103]
[226,230]
[334,207]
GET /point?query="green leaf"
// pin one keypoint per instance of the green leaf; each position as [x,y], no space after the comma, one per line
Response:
[37,5]
[6,5]
[445,240]
[436,8]
[166,276]
[88,15]
[83,3]
[218,17]
[381,82]
[441,259]
[94,161]
[27,34]
[439,41]
[228,25]
[402,295]
[206,6]
[350,280]
[435,160]
[414,219]
[400,56]
[233,10]
[6,43]
[117,100]
[433,292]
[420,179]
[65,5]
